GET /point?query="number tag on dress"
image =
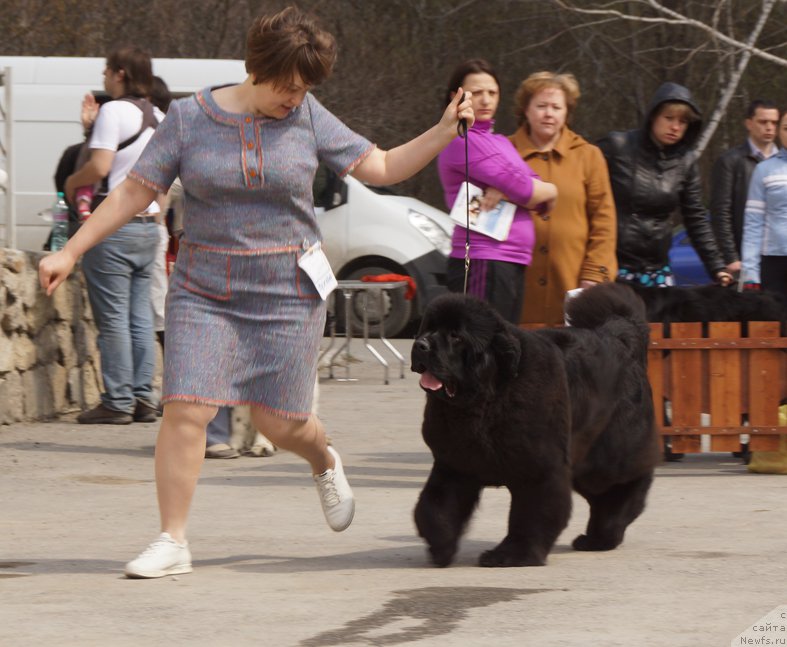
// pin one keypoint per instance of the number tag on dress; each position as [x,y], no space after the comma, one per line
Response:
[315,264]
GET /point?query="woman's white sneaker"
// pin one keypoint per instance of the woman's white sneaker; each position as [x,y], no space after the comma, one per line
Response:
[336,496]
[163,557]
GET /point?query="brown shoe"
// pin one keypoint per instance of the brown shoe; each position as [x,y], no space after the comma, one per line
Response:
[144,412]
[100,415]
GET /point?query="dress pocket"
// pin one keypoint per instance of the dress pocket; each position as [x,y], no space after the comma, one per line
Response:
[304,284]
[208,273]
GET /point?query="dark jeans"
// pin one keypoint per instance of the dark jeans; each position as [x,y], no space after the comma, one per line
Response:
[500,283]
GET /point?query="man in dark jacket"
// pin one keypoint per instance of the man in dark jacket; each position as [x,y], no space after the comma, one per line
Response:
[731,174]
[654,173]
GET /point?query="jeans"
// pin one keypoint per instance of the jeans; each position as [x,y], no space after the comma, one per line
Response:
[118,273]
[218,431]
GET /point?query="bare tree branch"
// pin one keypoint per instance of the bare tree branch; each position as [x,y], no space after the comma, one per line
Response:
[732,85]
[678,19]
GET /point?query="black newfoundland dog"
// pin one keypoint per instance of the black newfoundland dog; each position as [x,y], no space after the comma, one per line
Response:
[709,303]
[540,413]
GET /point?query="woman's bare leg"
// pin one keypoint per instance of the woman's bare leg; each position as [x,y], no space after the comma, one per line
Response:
[306,438]
[180,451]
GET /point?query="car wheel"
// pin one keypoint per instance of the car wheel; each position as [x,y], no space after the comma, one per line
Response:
[396,310]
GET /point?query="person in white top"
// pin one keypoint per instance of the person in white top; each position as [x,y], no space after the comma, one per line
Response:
[118,271]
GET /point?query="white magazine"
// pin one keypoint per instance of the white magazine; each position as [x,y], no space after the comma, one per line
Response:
[495,223]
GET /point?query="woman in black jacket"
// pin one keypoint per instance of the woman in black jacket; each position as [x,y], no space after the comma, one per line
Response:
[654,172]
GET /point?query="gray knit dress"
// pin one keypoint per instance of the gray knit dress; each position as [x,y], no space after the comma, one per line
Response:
[243,321]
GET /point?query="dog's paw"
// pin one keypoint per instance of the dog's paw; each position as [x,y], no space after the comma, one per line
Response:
[442,556]
[260,451]
[500,557]
[260,446]
[583,542]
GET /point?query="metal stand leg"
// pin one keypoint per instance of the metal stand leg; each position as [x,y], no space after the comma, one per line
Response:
[348,334]
[332,328]
[366,342]
[388,344]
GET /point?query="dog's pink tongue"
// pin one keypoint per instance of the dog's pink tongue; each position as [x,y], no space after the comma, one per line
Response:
[429,381]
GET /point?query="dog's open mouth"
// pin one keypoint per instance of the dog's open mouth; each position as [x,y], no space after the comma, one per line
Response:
[429,382]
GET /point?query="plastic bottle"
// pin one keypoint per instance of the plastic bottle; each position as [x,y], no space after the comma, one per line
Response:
[59,224]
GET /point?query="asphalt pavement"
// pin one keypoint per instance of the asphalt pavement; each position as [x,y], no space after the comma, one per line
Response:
[704,562]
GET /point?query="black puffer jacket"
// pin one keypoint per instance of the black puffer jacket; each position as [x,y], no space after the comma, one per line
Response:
[649,183]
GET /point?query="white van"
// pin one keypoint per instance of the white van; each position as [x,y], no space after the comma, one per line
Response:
[366,230]
[370,231]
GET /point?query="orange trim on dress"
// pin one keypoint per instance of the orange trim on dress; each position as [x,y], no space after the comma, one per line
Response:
[257,251]
[351,167]
[145,182]
[197,399]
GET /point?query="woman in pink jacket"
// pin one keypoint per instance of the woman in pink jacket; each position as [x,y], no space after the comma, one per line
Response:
[497,267]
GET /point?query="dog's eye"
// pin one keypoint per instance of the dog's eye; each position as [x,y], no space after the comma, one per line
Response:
[454,339]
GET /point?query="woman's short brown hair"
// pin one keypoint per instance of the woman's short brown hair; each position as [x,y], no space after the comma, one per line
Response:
[281,45]
[538,81]
[137,68]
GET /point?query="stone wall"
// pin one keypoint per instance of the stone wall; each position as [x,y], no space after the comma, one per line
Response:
[49,361]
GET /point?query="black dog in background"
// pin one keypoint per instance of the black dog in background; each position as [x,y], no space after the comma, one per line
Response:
[709,303]
[537,412]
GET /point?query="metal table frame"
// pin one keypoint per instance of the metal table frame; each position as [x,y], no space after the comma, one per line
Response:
[347,288]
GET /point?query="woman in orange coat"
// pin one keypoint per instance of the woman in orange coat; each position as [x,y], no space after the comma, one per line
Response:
[575,242]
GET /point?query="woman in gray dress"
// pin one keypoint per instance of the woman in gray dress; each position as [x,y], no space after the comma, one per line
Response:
[244,318]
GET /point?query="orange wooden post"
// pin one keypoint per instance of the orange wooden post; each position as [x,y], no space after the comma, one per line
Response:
[765,370]
[656,374]
[686,387]
[725,388]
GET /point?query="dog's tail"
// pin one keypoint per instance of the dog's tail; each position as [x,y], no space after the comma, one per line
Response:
[611,302]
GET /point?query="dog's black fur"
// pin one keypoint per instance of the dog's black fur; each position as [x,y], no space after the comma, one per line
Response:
[709,303]
[537,412]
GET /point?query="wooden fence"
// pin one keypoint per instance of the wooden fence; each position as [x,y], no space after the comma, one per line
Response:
[722,379]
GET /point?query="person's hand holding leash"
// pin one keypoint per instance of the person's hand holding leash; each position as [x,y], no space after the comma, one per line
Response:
[724,278]
[460,108]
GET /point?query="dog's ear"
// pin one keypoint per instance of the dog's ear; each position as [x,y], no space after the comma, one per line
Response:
[507,350]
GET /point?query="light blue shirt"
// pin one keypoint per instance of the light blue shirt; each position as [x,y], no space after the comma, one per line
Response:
[765,217]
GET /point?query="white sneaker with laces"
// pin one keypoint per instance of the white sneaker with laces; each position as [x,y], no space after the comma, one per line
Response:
[163,557]
[336,496]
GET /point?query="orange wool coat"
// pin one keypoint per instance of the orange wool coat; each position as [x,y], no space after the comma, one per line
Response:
[576,241]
